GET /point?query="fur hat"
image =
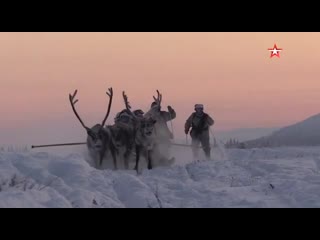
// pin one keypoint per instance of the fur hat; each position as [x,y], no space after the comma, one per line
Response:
[138,112]
[199,106]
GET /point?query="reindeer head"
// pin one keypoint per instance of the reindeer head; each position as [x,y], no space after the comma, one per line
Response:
[122,135]
[147,127]
[98,136]
[145,124]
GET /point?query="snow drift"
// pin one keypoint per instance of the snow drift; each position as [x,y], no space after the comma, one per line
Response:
[257,178]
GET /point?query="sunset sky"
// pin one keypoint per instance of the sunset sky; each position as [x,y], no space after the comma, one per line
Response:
[232,74]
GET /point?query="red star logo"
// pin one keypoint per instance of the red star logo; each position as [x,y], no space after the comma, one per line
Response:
[275,51]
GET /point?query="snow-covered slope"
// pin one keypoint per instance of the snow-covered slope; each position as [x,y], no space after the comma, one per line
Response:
[244,134]
[305,133]
[283,177]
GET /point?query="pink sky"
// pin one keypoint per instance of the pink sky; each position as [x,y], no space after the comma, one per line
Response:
[231,73]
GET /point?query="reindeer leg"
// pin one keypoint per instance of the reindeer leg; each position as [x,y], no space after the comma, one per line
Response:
[96,160]
[138,149]
[114,157]
[102,154]
[126,163]
[126,159]
[127,154]
[149,157]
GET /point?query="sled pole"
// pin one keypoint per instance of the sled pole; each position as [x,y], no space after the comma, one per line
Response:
[182,145]
[186,145]
[57,145]
[172,129]
[75,144]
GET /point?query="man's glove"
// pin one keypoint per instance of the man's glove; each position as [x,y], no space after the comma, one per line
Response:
[170,109]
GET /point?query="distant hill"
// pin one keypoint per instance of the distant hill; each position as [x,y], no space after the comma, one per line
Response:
[244,134]
[305,133]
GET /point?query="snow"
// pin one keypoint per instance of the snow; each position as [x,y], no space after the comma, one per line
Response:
[255,178]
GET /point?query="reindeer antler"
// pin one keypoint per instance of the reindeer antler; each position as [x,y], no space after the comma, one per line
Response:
[126,101]
[128,107]
[73,103]
[158,99]
[110,94]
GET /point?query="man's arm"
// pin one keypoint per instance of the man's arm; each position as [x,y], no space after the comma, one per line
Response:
[188,124]
[210,121]
[170,115]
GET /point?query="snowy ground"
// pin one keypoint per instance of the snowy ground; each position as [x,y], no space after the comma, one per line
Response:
[258,178]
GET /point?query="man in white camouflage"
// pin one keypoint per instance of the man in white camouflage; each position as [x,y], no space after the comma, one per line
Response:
[200,122]
[163,134]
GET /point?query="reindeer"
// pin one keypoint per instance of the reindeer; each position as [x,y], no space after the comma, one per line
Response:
[123,140]
[99,138]
[123,135]
[144,135]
